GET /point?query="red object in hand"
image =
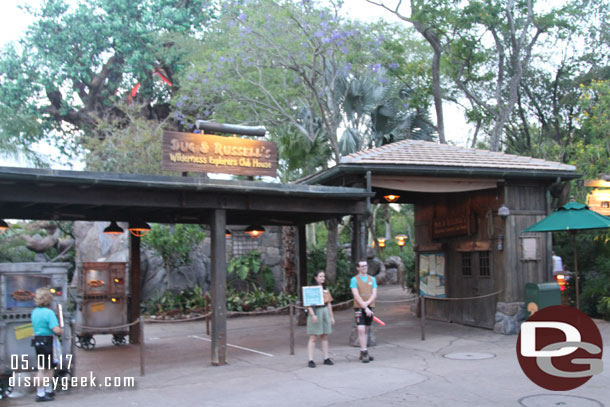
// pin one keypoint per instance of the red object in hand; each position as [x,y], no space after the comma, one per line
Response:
[380,322]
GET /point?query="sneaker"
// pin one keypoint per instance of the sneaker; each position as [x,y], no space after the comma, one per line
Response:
[50,393]
[364,356]
[46,397]
[311,363]
[328,362]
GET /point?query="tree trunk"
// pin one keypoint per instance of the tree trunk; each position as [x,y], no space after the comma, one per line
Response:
[332,249]
[289,260]
[386,217]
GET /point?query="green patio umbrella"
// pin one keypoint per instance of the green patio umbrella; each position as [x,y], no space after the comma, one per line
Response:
[572,217]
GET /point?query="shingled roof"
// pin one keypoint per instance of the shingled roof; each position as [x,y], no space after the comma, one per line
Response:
[416,152]
[424,157]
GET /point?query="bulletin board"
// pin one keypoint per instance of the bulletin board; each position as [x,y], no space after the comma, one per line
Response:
[432,274]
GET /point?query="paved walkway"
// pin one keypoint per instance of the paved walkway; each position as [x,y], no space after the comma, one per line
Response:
[406,372]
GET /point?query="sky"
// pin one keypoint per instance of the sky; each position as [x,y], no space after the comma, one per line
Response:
[14,22]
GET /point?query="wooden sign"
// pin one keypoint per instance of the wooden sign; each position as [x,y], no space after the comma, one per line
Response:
[312,295]
[229,155]
[454,226]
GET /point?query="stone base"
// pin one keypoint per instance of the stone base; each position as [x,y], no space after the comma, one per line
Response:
[509,317]
[353,337]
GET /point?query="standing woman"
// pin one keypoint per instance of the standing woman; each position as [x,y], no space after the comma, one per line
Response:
[45,325]
[320,320]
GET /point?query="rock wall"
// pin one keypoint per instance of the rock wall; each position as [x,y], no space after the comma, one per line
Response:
[509,317]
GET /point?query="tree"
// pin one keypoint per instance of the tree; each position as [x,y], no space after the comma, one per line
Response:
[428,19]
[76,62]
[314,80]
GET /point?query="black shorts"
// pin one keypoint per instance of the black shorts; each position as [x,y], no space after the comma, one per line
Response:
[44,352]
[361,318]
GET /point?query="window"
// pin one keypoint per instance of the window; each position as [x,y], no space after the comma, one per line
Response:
[244,244]
[467,263]
[484,269]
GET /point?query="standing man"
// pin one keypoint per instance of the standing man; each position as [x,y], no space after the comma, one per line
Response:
[364,289]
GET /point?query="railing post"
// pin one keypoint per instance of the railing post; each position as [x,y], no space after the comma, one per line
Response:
[141,346]
[291,315]
[422,319]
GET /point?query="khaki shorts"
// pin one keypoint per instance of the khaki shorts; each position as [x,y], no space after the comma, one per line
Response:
[323,326]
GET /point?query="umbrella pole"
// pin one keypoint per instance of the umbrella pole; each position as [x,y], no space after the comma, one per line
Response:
[576,269]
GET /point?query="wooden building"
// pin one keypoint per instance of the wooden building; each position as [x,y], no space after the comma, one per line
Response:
[471,207]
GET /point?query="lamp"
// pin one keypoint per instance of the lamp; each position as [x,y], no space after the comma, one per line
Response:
[139,228]
[3,225]
[503,211]
[113,229]
[391,198]
[381,241]
[401,240]
[254,231]
[227,233]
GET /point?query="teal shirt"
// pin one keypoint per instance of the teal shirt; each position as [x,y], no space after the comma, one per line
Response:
[43,321]
[354,284]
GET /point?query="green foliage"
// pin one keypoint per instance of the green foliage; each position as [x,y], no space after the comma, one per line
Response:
[192,300]
[80,58]
[12,248]
[316,260]
[253,300]
[174,243]
[245,274]
[134,148]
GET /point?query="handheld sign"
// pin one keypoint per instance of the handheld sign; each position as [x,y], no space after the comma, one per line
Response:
[312,295]
[380,322]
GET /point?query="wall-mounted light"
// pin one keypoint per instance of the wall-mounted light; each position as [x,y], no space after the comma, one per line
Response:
[503,211]
[113,229]
[391,198]
[254,231]
[500,242]
[115,300]
[3,226]
[139,228]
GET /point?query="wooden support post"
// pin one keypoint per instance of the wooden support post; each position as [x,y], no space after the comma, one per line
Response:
[291,316]
[219,288]
[302,269]
[422,318]
[356,244]
[135,287]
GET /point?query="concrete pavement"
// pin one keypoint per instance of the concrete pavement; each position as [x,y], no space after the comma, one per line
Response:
[406,370]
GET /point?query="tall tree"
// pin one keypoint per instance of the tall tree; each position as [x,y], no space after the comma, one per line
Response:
[77,60]
[311,77]
[427,17]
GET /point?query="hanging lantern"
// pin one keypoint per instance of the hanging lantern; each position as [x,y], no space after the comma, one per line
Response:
[254,231]
[139,228]
[113,229]
[391,198]
[381,241]
[401,240]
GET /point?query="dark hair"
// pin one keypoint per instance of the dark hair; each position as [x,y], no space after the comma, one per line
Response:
[315,274]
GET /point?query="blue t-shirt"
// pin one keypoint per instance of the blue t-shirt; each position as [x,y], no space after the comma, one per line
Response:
[43,321]
[354,284]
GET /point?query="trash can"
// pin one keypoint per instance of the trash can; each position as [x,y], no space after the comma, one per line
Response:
[541,295]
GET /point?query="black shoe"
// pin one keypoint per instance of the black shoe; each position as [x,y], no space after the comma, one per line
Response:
[50,393]
[46,397]
[311,363]
[364,356]
[328,362]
